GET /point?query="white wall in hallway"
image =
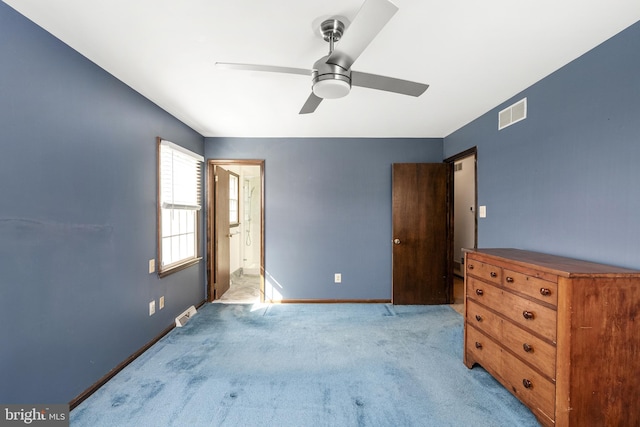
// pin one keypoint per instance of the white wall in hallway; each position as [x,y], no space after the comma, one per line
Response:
[464,207]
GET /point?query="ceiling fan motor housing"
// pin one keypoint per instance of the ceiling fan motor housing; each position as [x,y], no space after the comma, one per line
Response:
[330,81]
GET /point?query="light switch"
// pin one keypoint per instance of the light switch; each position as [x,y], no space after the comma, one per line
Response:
[483,212]
[152,266]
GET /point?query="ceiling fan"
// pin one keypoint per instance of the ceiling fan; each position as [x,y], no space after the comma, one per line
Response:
[332,76]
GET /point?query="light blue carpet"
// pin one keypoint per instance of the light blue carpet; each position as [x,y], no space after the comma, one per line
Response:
[306,365]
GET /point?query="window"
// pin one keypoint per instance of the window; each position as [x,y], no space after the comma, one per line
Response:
[234,197]
[179,203]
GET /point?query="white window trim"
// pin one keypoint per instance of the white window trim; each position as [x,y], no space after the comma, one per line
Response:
[189,203]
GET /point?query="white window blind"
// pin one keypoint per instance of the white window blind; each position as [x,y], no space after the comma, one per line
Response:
[181,183]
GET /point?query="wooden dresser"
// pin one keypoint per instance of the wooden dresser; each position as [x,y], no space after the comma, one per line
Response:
[562,335]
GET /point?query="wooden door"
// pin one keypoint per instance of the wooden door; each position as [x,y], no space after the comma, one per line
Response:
[421,233]
[222,261]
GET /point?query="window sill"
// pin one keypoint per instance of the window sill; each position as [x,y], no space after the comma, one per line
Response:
[174,269]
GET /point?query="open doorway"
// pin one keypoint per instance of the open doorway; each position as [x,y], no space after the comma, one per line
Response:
[465,231]
[235,231]
[465,221]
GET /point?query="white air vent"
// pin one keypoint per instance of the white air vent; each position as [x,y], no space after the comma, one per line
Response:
[184,317]
[457,167]
[512,114]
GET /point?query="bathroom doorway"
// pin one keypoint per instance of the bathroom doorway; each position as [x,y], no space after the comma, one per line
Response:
[235,230]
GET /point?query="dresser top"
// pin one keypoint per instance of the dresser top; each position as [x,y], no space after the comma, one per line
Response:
[561,266]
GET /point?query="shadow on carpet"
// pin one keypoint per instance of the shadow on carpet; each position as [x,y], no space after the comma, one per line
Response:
[306,365]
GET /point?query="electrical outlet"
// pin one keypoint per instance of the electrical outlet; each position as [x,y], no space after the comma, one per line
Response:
[152,307]
[161,303]
[152,266]
[337,278]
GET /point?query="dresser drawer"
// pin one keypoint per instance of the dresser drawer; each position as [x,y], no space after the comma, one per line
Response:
[535,287]
[482,350]
[525,383]
[530,387]
[536,352]
[531,349]
[484,271]
[538,318]
[485,320]
[481,291]
[524,312]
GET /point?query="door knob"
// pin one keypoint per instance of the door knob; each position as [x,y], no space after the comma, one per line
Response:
[396,241]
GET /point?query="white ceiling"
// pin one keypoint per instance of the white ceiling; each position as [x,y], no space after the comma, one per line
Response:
[473,54]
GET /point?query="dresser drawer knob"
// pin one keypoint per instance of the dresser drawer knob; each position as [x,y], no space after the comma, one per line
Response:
[478,318]
[527,315]
[478,345]
[494,274]
[545,292]
[479,292]
[509,279]
[470,267]
[527,383]
[527,348]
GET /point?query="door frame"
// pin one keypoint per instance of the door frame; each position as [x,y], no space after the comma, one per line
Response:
[473,151]
[211,164]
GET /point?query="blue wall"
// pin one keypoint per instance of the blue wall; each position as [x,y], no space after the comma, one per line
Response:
[77,218]
[328,210]
[567,179]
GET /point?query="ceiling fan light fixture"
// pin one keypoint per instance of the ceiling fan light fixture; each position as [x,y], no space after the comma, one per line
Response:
[331,88]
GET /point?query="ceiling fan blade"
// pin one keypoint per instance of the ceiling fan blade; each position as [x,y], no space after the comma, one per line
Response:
[389,84]
[268,68]
[311,104]
[371,18]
